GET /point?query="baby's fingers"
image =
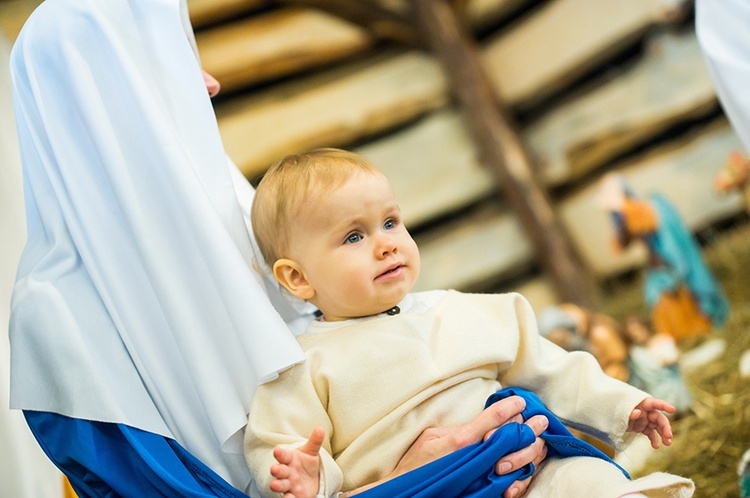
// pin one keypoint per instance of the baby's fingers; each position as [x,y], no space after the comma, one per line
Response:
[653,437]
[638,425]
[660,404]
[313,445]
[664,428]
[280,484]
[283,455]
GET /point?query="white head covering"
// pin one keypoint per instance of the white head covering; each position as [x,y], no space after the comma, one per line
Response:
[134,300]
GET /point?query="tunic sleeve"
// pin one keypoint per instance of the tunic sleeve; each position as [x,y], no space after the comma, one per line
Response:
[571,384]
[285,412]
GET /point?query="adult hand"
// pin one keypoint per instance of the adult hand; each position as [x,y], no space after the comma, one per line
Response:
[435,442]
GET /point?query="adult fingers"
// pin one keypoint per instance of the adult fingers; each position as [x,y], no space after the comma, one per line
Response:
[538,424]
[493,417]
[542,453]
[533,453]
[517,489]
[516,418]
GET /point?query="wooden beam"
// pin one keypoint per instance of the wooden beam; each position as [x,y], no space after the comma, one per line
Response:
[344,105]
[563,40]
[204,12]
[669,85]
[502,149]
[278,43]
[383,23]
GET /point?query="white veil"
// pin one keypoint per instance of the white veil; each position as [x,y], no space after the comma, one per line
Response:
[134,301]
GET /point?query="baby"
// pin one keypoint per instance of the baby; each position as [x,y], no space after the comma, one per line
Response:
[383,364]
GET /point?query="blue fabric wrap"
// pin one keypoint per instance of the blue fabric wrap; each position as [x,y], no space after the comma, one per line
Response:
[114,460]
[470,472]
[560,441]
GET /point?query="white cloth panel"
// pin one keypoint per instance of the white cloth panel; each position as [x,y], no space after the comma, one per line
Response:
[135,301]
[25,471]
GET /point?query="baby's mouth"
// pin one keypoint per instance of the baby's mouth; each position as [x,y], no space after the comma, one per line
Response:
[391,270]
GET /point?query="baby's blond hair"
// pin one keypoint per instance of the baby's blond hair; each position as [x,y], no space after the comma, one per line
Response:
[289,184]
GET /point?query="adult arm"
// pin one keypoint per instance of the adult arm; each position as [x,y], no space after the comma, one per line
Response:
[571,384]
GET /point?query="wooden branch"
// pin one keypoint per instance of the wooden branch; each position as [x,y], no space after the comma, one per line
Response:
[384,24]
[503,151]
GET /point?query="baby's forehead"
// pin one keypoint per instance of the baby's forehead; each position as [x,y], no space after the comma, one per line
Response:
[328,184]
[362,191]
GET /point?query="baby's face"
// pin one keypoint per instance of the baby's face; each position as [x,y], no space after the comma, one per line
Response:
[354,250]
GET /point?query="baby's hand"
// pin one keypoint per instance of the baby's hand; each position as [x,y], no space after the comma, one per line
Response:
[649,418]
[296,474]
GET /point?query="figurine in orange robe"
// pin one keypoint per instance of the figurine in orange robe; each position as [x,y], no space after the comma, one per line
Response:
[684,298]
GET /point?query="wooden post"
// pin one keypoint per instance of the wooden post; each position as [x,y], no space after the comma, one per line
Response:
[502,150]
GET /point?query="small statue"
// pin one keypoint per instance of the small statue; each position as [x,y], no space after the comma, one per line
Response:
[743,472]
[653,362]
[684,298]
[574,328]
[733,177]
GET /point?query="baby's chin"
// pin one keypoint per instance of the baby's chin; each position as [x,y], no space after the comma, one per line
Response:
[375,309]
[392,307]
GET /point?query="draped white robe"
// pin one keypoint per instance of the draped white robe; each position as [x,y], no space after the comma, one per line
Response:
[135,301]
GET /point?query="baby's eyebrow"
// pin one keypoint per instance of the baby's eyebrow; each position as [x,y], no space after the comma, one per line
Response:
[349,225]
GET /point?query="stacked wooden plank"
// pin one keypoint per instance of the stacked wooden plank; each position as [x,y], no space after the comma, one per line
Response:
[13,13]
[391,104]
[253,50]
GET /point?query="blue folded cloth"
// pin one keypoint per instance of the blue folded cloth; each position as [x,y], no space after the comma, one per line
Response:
[470,472]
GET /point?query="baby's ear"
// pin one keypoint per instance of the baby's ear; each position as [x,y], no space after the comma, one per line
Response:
[289,274]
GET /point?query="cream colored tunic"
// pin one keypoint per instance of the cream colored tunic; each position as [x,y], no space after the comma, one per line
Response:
[376,383]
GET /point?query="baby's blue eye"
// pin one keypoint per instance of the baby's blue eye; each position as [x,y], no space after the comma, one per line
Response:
[353,238]
[389,225]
